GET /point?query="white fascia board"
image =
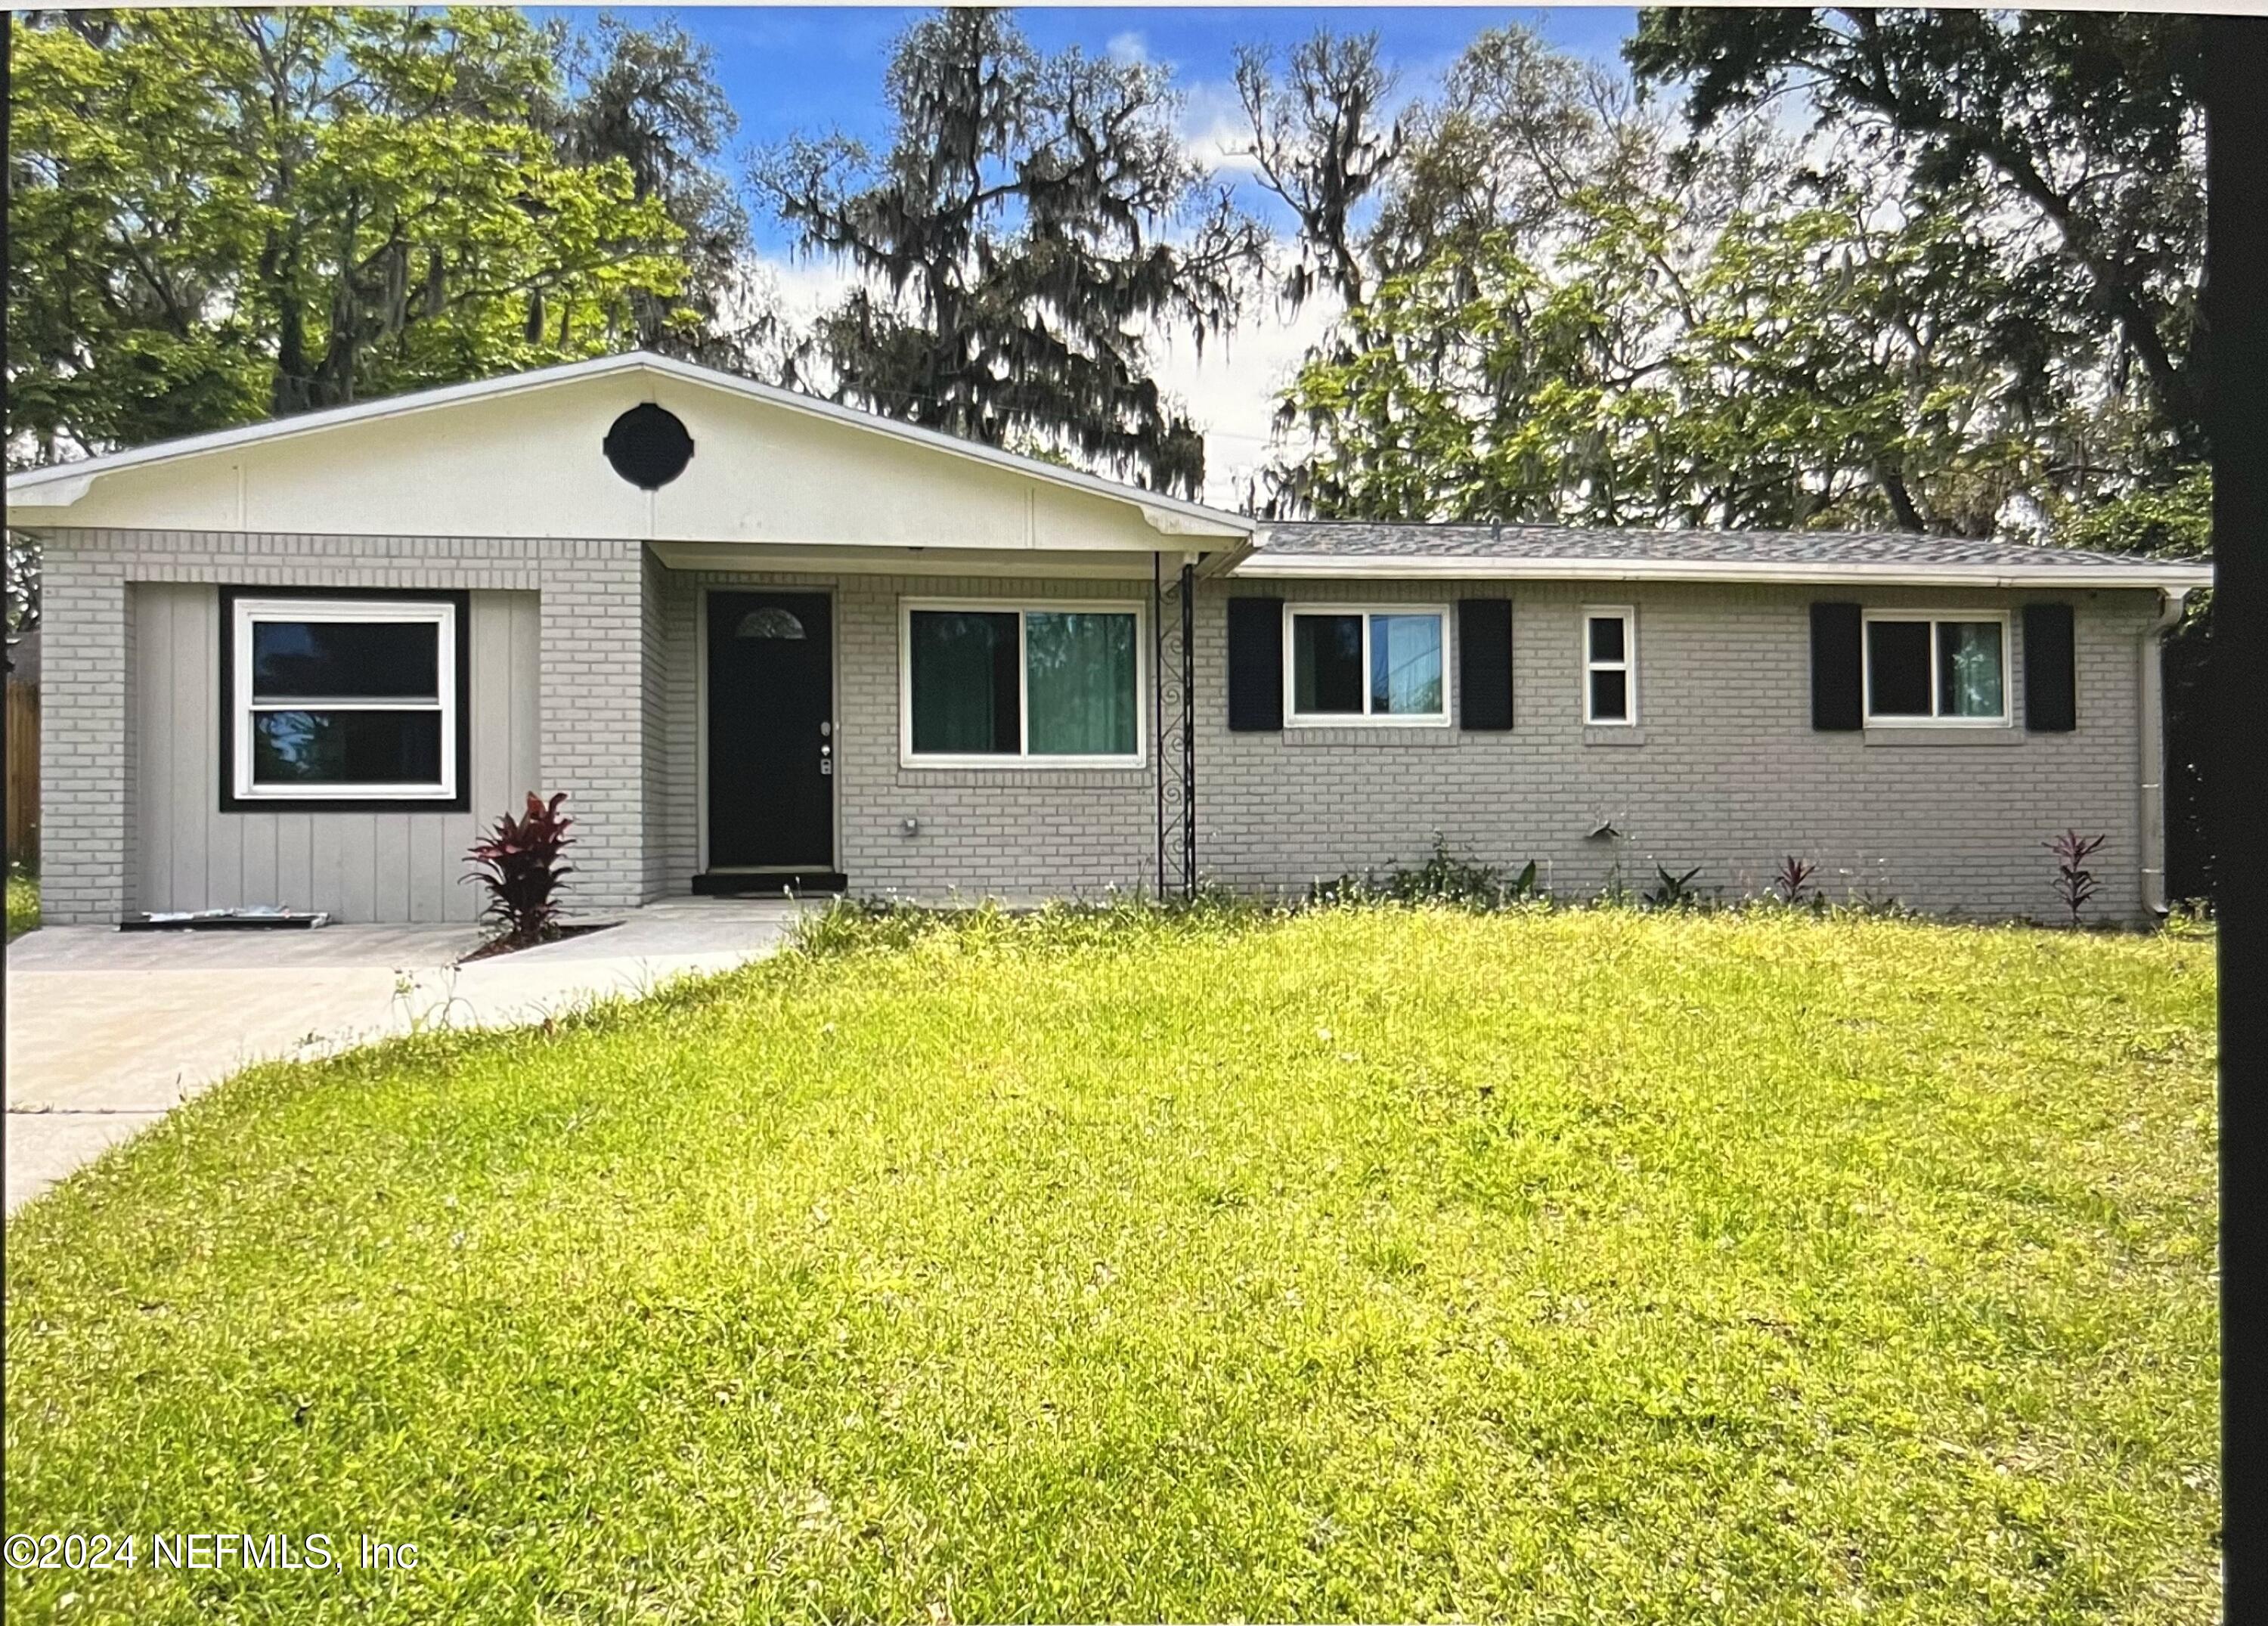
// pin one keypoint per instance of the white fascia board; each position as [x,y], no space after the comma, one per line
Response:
[60,484]
[1223,562]
[1374,567]
[934,560]
[1172,522]
[22,485]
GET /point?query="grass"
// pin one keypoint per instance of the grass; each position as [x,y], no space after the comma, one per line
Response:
[1369,1264]
[23,902]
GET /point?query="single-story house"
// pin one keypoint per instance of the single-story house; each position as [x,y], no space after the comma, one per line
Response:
[763,640]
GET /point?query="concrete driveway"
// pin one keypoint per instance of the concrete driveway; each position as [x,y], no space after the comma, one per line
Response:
[108,1031]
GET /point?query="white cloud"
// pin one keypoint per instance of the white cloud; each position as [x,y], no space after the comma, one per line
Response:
[1215,134]
[1230,390]
[807,287]
[1128,47]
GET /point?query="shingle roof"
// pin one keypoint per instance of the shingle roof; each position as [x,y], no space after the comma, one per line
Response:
[1323,548]
[1563,542]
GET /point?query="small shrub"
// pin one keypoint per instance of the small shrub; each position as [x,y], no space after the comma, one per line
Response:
[1672,892]
[518,863]
[1442,879]
[2074,882]
[847,925]
[1794,879]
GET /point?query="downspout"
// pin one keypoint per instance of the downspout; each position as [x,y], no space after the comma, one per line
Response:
[2153,734]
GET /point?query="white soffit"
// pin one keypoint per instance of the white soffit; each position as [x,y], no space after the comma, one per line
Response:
[518,457]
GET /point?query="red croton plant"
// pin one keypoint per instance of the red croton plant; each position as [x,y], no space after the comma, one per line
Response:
[518,863]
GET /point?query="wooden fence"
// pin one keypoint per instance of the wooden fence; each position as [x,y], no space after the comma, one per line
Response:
[23,773]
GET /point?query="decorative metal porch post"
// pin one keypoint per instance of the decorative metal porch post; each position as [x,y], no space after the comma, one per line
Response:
[1173,693]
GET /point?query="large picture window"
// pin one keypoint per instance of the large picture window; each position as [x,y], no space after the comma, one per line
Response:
[1057,684]
[1366,666]
[1926,668]
[342,700]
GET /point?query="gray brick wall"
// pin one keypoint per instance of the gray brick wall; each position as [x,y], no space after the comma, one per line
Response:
[592,708]
[657,790]
[85,740]
[1723,770]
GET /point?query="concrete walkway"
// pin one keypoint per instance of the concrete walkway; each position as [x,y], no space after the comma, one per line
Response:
[107,1031]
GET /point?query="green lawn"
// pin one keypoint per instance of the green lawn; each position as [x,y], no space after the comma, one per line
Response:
[22,903]
[1364,1264]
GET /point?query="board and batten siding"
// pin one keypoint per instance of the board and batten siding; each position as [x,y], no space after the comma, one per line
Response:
[359,866]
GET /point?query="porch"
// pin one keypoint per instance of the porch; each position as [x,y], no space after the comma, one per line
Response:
[924,736]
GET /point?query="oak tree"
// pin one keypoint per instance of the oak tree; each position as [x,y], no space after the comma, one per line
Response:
[218,215]
[1032,224]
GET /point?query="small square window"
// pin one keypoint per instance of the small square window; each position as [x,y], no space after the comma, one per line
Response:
[1609,666]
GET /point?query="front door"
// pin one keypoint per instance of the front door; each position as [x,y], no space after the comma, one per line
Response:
[771,731]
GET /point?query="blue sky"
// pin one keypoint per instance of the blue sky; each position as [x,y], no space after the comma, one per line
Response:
[806,70]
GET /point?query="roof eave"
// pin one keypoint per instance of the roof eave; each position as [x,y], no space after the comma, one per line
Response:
[1375,567]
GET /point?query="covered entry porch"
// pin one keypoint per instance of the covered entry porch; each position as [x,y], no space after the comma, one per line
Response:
[1002,727]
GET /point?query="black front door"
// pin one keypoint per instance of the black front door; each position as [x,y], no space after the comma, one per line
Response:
[771,731]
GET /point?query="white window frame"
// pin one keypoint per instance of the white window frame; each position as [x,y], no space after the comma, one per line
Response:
[1293,717]
[1022,759]
[2007,719]
[440,613]
[1626,613]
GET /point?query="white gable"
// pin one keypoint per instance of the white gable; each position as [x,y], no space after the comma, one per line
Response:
[520,456]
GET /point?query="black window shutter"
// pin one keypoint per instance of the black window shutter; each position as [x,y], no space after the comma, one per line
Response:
[1255,663]
[2050,681]
[1837,699]
[1485,663]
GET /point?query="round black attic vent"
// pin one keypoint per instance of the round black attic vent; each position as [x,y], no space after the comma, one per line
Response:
[648,446]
